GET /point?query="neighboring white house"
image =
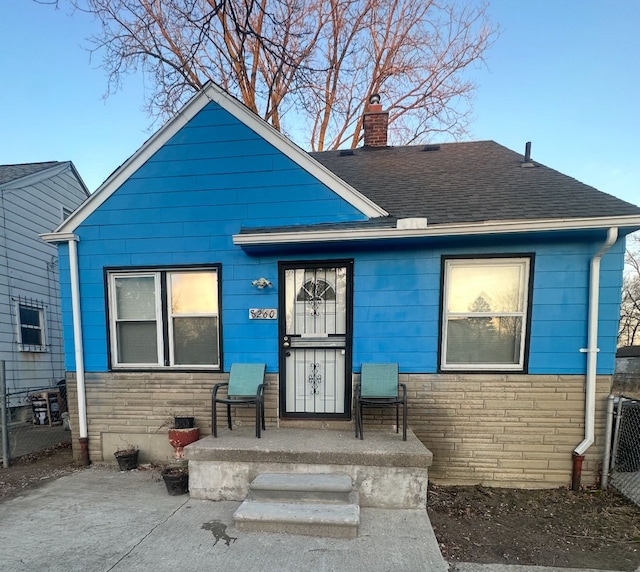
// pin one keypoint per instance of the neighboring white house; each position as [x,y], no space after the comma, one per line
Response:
[627,376]
[34,198]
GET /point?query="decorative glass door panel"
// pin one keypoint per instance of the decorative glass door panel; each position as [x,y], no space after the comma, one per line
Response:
[314,342]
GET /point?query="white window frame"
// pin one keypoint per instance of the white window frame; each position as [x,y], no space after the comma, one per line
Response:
[113,321]
[41,309]
[164,317]
[525,262]
[171,316]
[65,213]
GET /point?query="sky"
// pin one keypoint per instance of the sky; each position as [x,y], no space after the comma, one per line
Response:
[563,74]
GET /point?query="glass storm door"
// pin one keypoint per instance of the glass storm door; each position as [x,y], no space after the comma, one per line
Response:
[315,341]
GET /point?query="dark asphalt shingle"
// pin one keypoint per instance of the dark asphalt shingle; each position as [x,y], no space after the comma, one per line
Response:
[13,172]
[468,182]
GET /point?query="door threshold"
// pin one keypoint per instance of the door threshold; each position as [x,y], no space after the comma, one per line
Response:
[306,423]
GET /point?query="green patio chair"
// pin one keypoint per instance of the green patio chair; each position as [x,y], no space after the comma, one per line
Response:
[379,387]
[245,387]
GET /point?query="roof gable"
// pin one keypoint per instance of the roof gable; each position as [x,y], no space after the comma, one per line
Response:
[170,132]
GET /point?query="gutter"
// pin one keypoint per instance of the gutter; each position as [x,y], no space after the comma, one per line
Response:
[72,241]
[292,236]
[592,357]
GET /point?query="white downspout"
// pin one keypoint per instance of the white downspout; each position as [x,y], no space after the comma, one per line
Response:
[592,344]
[79,351]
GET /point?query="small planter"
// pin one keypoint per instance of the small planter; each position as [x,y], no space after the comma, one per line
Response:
[127,459]
[176,479]
[180,438]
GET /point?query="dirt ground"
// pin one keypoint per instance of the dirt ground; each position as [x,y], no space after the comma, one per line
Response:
[35,469]
[558,527]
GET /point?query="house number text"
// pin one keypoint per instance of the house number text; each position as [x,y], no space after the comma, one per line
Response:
[263,314]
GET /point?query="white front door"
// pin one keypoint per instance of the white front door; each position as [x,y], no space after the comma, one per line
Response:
[315,341]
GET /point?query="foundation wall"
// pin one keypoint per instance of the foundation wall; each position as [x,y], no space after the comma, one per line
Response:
[496,430]
[505,430]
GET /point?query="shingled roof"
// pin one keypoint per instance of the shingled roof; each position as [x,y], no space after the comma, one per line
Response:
[459,184]
[467,182]
[13,172]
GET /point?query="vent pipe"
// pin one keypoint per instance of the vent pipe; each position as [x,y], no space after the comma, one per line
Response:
[527,156]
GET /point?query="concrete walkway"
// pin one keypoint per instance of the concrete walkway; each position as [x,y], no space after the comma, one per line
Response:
[100,520]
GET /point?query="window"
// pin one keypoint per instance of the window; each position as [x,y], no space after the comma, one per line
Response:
[485,307]
[31,325]
[164,318]
[65,213]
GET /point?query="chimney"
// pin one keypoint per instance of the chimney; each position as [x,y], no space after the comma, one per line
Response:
[375,122]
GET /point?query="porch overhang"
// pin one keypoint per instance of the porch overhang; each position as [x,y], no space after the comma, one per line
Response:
[354,233]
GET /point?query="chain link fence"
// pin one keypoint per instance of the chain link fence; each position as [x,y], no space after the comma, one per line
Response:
[36,420]
[624,475]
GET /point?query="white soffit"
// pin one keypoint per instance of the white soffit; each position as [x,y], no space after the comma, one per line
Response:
[212,92]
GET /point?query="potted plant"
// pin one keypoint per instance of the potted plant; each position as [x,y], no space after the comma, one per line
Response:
[181,433]
[127,457]
[176,479]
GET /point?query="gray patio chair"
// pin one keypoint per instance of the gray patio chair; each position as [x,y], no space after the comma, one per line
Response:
[245,387]
[379,387]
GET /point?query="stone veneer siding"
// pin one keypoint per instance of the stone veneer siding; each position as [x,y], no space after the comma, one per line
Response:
[505,430]
[493,429]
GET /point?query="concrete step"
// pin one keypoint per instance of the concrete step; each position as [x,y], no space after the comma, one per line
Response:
[310,519]
[312,504]
[303,487]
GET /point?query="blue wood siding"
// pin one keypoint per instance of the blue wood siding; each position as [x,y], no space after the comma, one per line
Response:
[216,175]
[182,207]
[396,304]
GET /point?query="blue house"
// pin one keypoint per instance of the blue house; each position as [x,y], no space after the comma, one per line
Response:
[493,281]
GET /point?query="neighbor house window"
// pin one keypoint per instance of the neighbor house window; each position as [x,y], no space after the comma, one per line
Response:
[31,325]
[485,304]
[164,318]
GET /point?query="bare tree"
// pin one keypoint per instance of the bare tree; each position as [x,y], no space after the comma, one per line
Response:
[412,53]
[629,329]
[295,62]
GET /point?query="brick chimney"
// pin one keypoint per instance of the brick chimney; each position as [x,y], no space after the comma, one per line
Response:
[375,123]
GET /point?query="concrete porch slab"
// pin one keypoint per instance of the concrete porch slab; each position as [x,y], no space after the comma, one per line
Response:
[386,471]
